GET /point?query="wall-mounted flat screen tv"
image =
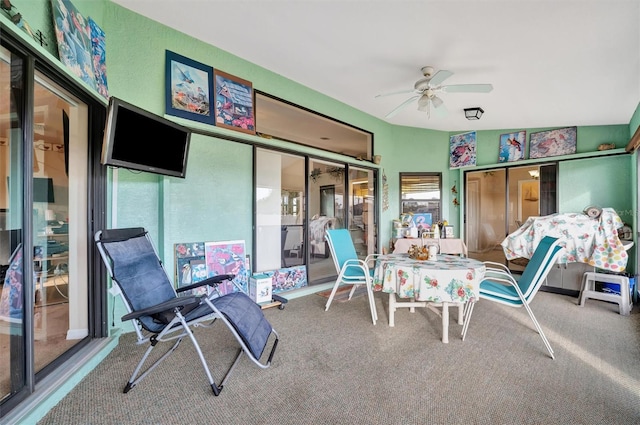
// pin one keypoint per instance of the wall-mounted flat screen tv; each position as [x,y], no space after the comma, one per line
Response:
[139,140]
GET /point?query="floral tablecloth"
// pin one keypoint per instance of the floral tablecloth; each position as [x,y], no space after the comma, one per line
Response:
[585,239]
[448,279]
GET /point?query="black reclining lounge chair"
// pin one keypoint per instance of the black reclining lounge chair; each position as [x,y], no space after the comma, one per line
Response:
[159,314]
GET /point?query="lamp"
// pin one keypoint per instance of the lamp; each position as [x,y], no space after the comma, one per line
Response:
[473,113]
[534,174]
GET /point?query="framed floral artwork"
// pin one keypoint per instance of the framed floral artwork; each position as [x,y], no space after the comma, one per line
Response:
[189,88]
[227,257]
[557,142]
[462,150]
[512,146]
[234,103]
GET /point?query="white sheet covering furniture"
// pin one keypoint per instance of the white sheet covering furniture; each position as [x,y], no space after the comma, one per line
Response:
[585,239]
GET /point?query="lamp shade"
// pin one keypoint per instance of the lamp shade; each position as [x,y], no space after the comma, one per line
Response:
[473,113]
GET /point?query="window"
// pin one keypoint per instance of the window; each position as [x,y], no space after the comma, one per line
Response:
[421,193]
[276,118]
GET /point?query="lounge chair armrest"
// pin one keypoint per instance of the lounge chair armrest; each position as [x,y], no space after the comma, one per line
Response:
[158,308]
[212,281]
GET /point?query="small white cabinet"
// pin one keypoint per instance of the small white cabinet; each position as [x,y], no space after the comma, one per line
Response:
[567,276]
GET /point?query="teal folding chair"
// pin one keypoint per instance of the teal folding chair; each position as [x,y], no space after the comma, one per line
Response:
[500,286]
[351,270]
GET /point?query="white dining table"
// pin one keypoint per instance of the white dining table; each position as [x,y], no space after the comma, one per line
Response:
[434,283]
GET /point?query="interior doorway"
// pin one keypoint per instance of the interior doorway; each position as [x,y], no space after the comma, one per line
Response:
[499,201]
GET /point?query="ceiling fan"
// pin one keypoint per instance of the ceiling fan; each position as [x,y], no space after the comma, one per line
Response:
[426,89]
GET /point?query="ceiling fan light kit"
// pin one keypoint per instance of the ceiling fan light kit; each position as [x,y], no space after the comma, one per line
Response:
[426,90]
[473,113]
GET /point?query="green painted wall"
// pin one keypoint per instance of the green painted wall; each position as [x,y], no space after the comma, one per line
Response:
[602,181]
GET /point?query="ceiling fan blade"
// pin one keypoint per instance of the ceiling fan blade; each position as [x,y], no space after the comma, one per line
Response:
[402,105]
[441,111]
[437,102]
[439,77]
[467,88]
[423,102]
[393,93]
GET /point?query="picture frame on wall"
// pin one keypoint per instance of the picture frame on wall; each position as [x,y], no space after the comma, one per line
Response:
[234,103]
[189,88]
[99,56]
[462,150]
[512,146]
[73,36]
[562,141]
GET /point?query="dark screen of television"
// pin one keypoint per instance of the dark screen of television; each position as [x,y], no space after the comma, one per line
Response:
[143,140]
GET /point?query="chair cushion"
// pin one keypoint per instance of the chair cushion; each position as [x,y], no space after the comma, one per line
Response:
[499,292]
[247,319]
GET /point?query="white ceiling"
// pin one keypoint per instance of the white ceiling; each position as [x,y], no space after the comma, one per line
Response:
[551,63]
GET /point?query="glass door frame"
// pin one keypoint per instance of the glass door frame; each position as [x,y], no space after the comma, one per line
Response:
[342,212]
[547,179]
[96,219]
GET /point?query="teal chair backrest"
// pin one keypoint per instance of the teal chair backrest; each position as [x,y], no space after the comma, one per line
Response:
[341,246]
[541,261]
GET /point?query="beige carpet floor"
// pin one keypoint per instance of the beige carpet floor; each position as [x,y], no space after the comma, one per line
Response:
[335,367]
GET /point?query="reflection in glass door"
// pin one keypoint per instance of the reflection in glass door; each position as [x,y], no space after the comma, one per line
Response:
[361,217]
[326,211]
[280,192]
[59,222]
[12,307]
[485,214]
[499,201]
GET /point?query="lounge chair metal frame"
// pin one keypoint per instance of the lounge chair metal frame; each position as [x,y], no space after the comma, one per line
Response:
[172,318]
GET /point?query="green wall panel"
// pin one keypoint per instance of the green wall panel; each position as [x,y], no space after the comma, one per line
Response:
[603,182]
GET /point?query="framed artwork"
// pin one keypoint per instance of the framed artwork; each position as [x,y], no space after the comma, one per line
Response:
[512,146]
[448,232]
[99,54]
[73,36]
[190,266]
[406,219]
[561,141]
[462,150]
[287,278]
[422,219]
[234,103]
[227,257]
[189,88]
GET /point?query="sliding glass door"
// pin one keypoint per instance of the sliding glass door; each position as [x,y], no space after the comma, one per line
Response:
[280,193]
[13,311]
[59,221]
[296,203]
[499,201]
[44,252]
